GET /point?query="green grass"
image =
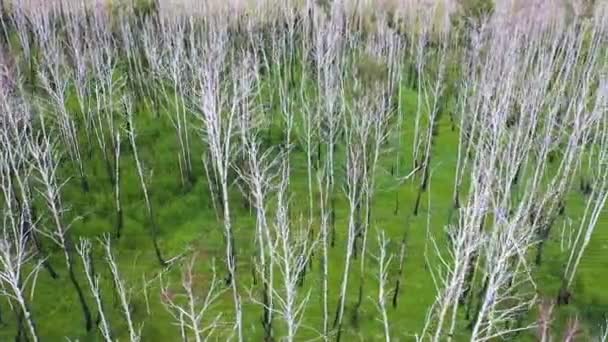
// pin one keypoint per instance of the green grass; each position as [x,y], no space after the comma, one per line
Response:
[188,223]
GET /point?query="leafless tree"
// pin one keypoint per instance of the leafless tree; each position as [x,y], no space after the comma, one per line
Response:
[369,124]
[598,164]
[259,174]
[218,114]
[323,185]
[44,156]
[384,259]
[192,312]
[545,320]
[130,131]
[76,35]
[329,58]
[171,68]
[430,93]
[17,275]
[603,337]
[501,132]
[102,55]
[124,294]
[53,76]
[355,169]
[291,248]
[84,251]
[528,98]
[130,27]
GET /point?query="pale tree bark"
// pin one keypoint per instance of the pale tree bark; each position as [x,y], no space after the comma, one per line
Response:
[14,255]
[44,155]
[218,115]
[259,174]
[430,92]
[77,32]
[597,137]
[142,180]
[123,293]
[506,136]
[84,251]
[168,61]
[291,248]
[354,194]
[54,80]
[19,264]
[329,58]
[384,259]
[15,133]
[192,316]
[324,230]
[107,85]
[371,131]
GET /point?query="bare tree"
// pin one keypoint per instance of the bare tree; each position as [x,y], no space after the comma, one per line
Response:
[84,251]
[15,128]
[430,92]
[77,32]
[354,194]
[324,230]
[173,68]
[14,277]
[102,56]
[499,136]
[130,130]
[291,249]
[218,116]
[259,175]
[384,259]
[117,193]
[598,163]
[603,337]
[373,131]
[193,311]
[55,83]
[329,58]
[545,320]
[44,155]
[124,294]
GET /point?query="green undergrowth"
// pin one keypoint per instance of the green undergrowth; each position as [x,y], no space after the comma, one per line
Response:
[188,225]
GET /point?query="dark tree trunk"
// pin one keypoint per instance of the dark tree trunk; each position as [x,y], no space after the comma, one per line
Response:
[402,255]
[81,298]
[266,312]
[116,189]
[337,323]
[421,189]
[479,304]
[468,282]
[94,274]
[21,334]
[32,235]
[109,170]
[43,255]
[564,296]
[544,233]
[119,223]
[232,261]
[359,302]
[154,236]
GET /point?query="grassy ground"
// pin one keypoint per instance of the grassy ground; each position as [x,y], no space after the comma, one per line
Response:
[188,223]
